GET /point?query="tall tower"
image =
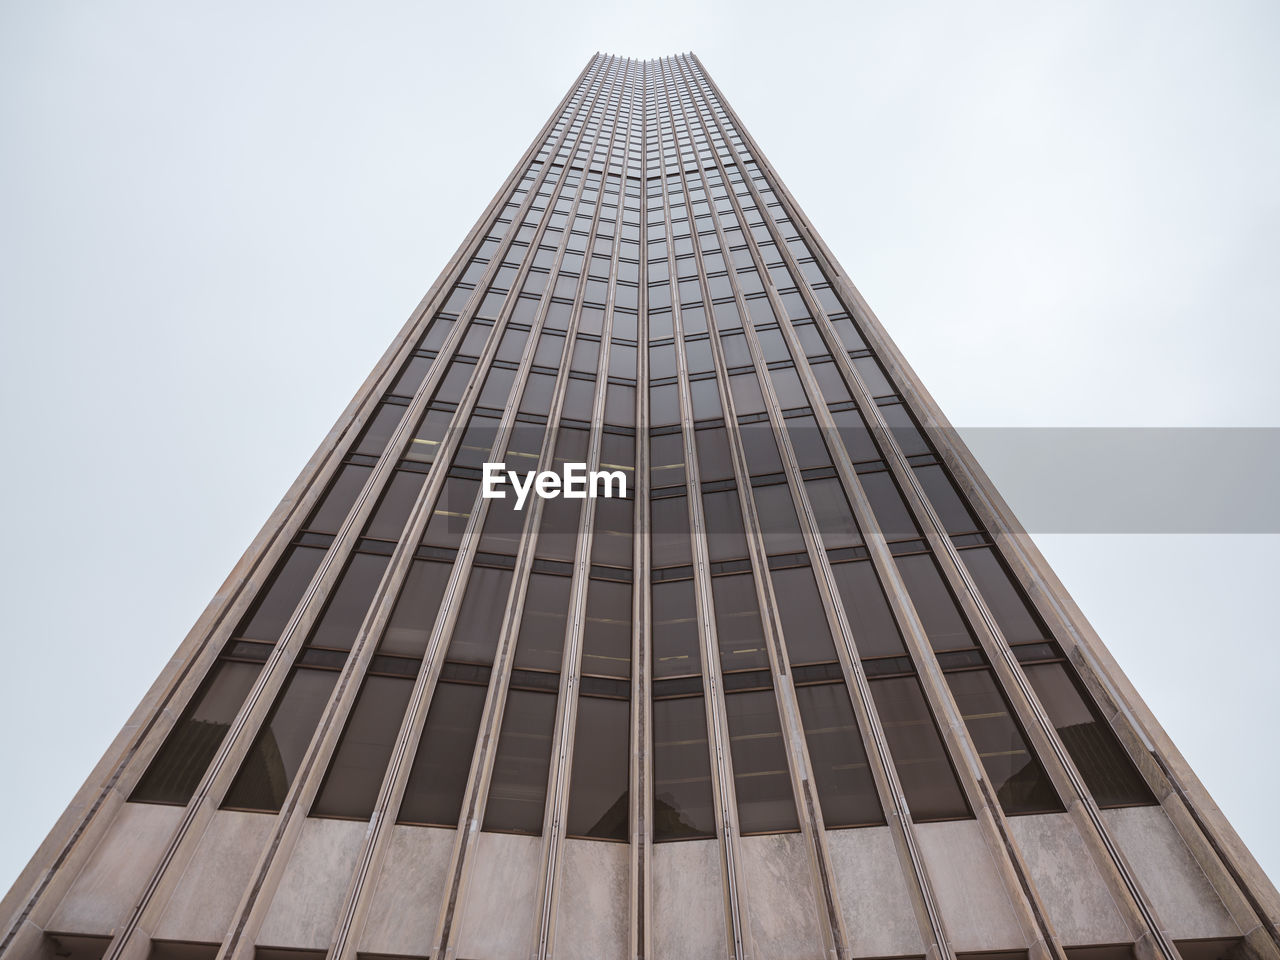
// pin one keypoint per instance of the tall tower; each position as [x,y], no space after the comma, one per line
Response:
[806,691]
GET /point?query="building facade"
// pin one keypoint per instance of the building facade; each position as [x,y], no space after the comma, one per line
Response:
[806,691]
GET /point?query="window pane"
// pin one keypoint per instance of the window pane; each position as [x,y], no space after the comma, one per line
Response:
[542,625]
[675,630]
[682,803]
[1017,621]
[722,516]
[846,788]
[518,790]
[738,627]
[598,790]
[276,604]
[888,506]
[342,493]
[274,758]
[777,516]
[351,786]
[918,754]
[761,779]
[669,537]
[349,603]
[1015,772]
[1101,760]
[875,633]
[382,424]
[475,635]
[176,770]
[832,513]
[804,619]
[606,643]
[415,612]
[942,493]
[439,775]
[388,520]
[934,603]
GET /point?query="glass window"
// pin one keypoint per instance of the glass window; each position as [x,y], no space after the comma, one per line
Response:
[877,383]
[804,619]
[518,789]
[452,513]
[388,520]
[888,506]
[714,459]
[349,602]
[611,544]
[761,449]
[276,754]
[846,787]
[675,630]
[1017,621]
[747,398]
[666,460]
[857,438]
[542,625]
[669,534]
[832,513]
[664,404]
[761,777]
[351,786]
[942,493]
[808,443]
[777,516]
[875,633]
[918,753]
[598,789]
[682,804]
[1098,755]
[722,518]
[475,635]
[787,387]
[1013,769]
[738,627]
[934,603]
[415,612]
[606,643]
[274,606]
[383,423]
[438,779]
[336,504]
[177,769]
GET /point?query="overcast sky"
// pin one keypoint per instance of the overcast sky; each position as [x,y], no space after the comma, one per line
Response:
[214,217]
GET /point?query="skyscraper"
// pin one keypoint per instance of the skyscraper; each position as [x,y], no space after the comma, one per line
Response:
[804,691]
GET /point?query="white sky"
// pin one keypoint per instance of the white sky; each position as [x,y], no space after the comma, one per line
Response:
[215,216]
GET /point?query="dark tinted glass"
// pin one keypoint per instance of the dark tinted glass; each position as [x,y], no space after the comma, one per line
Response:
[277,603]
[934,603]
[276,754]
[682,803]
[598,790]
[804,619]
[415,611]
[761,449]
[761,779]
[1014,615]
[846,788]
[351,786]
[675,630]
[388,520]
[176,770]
[888,506]
[383,423]
[722,517]
[518,790]
[942,493]
[349,603]
[831,511]
[918,754]
[669,537]
[738,627]
[452,512]
[777,516]
[875,633]
[439,775]
[1013,769]
[611,544]
[714,462]
[342,493]
[606,642]
[857,438]
[475,635]
[1098,755]
[542,625]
